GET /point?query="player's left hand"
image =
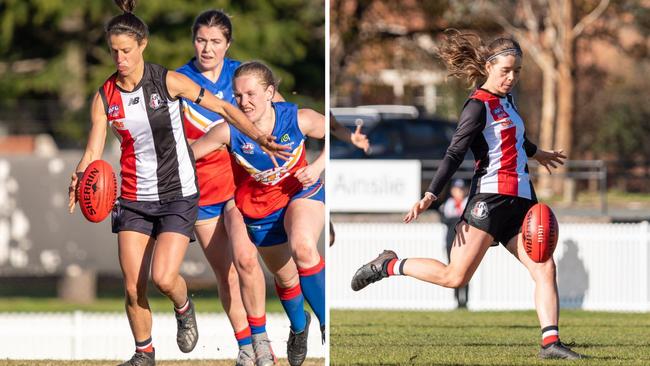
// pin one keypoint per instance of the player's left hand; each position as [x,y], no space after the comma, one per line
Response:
[307,175]
[550,159]
[273,149]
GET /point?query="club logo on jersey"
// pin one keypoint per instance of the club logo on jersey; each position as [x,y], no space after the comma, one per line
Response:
[220,94]
[285,138]
[155,101]
[271,176]
[480,210]
[499,113]
[114,110]
[118,125]
[247,148]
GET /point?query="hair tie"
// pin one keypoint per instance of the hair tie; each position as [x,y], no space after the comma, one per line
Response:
[516,51]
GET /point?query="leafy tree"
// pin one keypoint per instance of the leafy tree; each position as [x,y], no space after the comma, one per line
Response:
[55,49]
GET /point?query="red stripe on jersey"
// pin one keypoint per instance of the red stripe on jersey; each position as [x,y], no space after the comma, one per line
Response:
[115,112]
[214,171]
[216,182]
[115,108]
[507,174]
[127,162]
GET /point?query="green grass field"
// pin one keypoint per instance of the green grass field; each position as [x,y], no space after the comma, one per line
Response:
[158,304]
[283,362]
[483,338]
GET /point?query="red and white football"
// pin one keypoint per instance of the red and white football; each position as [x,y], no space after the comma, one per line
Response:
[97,190]
[540,231]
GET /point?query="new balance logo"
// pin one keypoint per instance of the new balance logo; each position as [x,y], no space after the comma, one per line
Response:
[134,101]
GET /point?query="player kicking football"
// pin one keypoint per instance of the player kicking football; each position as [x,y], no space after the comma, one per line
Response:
[501,191]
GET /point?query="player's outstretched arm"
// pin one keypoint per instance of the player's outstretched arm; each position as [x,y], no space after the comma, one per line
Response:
[94,147]
[550,159]
[419,207]
[215,139]
[180,85]
[342,133]
[312,124]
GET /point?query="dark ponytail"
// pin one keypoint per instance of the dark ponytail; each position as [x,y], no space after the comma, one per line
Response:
[465,54]
[127,23]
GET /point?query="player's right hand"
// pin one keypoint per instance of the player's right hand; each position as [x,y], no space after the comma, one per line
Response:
[273,149]
[419,207]
[72,191]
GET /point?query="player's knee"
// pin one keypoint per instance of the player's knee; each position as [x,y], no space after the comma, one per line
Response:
[456,280]
[246,263]
[304,253]
[134,295]
[164,283]
[544,271]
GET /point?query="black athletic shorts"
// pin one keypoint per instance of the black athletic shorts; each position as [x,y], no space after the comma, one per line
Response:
[176,215]
[499,215]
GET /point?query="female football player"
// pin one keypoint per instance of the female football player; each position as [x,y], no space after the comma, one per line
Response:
[157,207]
[283,207]
[501,191]
[220,228]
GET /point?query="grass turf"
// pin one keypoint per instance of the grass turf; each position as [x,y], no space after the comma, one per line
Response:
[483,338]
[281,362]
[158,305]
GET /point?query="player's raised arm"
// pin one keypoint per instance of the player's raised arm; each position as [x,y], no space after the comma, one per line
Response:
[355,138]
[94,147]
[181,86]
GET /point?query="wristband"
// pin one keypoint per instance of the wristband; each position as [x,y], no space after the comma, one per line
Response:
[200,97]
[430,195]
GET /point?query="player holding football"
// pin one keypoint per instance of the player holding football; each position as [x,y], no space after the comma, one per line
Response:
[501,191]
[157,207]
[282,206]
[220,227]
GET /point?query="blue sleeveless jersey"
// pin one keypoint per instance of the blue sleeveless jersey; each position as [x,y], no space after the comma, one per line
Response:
[214,171]
[262,188]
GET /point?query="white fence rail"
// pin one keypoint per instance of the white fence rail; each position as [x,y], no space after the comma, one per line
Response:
[83,336]
[600,267]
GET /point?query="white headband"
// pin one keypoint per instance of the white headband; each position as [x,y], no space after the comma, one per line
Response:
[507,50]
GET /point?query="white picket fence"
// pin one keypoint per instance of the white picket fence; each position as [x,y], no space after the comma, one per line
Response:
[600,267]
[83,336]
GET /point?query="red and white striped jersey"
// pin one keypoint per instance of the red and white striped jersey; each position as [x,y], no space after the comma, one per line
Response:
[491,127]
[156,162]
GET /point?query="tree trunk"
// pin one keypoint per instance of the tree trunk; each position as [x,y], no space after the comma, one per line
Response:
[546,129]
[566,90]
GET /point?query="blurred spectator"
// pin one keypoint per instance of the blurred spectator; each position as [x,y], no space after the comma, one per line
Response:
[452,211]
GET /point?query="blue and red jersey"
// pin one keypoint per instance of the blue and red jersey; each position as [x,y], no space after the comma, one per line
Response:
[261,188]
[214,170]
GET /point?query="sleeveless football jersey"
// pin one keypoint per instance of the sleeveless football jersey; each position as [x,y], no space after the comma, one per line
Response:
[262,188]
[491,126]
[214,170]
[156,162]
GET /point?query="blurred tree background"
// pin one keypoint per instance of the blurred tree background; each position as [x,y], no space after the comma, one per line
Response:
[584,87]
[53,54]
